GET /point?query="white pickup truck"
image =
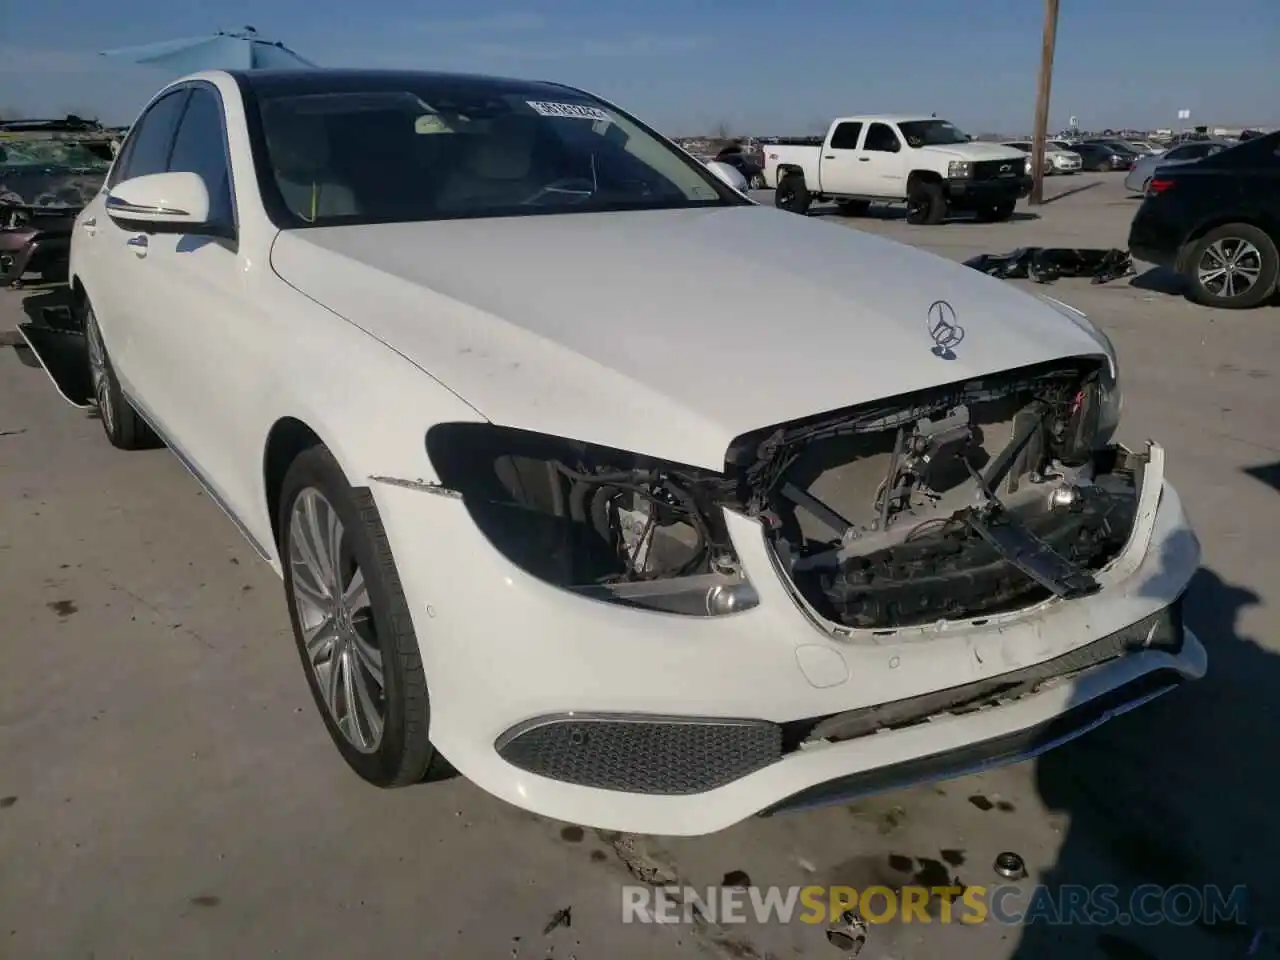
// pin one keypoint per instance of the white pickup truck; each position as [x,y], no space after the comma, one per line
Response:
[927,163]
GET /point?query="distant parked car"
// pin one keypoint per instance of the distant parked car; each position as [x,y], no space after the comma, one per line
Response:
[1145,148]
[1096,155]
[1217,222]
[1140,174]
[751,169]
[1056,160]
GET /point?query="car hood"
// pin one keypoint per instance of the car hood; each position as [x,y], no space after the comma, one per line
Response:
[976,150]
[666,332]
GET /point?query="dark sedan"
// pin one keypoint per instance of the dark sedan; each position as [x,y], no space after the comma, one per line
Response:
[1105,155]
[746,164]
[1216,222]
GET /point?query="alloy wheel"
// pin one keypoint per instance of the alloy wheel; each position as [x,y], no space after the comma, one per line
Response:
[336,620]
[98,371]
[1229,267]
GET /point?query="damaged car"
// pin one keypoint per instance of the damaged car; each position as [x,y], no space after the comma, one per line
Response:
[633,529]
[45,181]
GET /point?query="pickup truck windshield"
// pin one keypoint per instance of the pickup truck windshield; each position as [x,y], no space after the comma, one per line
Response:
[447,148]
[931,133]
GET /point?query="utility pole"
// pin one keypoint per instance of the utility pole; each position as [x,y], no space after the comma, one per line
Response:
[1042,100]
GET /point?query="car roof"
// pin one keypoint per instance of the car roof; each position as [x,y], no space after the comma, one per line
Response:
[270,83]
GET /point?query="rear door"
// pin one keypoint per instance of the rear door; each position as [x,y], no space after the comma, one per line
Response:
[839,171]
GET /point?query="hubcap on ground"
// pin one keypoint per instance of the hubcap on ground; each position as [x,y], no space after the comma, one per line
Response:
[98,371]
[336,620]
[1230,267]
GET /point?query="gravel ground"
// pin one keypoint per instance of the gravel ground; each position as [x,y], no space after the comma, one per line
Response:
[166,789]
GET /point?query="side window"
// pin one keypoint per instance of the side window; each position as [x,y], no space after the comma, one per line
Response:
[845,136]
[200,147]
[881,138]
[147,149]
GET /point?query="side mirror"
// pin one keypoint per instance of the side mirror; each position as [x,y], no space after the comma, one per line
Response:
[730,175]
[163,203]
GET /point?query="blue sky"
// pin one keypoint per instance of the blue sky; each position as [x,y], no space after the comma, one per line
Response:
[688,67]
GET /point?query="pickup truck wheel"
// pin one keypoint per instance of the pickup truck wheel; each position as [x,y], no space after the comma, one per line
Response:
[352,626]
[1234,266]
[756,182]
[926,204]
[120,422]
[792,195]
[853,208]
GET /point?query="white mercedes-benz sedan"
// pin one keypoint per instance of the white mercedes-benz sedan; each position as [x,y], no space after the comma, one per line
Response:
[637,528]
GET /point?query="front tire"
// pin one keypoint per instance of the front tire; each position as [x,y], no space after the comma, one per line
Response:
[791,194]
[756,182]
[1234,267]
[352,625]
[120,422]
[926,204]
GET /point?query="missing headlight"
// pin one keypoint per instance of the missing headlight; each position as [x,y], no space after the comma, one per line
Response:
[604,523]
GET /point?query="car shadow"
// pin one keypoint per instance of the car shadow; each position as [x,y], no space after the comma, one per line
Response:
[1177,792]
[887,213]
[1072,191]
[1159,280]
[1268,473]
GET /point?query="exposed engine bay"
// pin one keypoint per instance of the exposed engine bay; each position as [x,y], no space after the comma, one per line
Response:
[960,501]
[965,500]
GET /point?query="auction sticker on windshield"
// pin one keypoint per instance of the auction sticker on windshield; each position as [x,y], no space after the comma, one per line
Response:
[576,111]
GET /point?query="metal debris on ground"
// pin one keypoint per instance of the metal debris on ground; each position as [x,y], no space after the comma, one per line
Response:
[561,918]
[1046,264]
[849,933]
[1010,866]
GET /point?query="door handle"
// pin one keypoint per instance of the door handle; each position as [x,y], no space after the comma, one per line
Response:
[829,156]
[864,159]
[139,244]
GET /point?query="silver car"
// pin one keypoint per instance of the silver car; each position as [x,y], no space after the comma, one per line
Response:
[1140,174]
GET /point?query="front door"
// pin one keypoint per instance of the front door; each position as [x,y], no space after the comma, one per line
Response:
[114,256]
[881,162]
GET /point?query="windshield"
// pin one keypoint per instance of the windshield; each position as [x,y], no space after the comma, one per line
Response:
[444,148]
[931,133]
[50,153]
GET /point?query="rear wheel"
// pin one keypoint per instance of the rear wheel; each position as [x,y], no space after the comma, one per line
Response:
[926,204]
[1234,266]
[120,422]
[352,625]
[791,194]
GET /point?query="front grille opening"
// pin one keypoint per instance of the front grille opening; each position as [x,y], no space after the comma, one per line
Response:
[965,501]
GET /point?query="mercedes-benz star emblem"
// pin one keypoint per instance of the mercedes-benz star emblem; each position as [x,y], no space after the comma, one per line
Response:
[1006,168]
[944,329]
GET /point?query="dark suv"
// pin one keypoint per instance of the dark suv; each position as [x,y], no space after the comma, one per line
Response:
[1216,222]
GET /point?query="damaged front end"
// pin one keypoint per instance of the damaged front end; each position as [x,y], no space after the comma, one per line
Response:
[961,501]
[44,184]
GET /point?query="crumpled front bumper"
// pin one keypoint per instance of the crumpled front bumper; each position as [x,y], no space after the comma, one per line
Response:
[504,653]
[23,251]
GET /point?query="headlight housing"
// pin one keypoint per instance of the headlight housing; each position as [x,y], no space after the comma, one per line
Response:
[959,169]
[601,523]
[1110,396]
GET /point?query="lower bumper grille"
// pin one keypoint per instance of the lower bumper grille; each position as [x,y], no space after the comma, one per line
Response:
[638,754]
